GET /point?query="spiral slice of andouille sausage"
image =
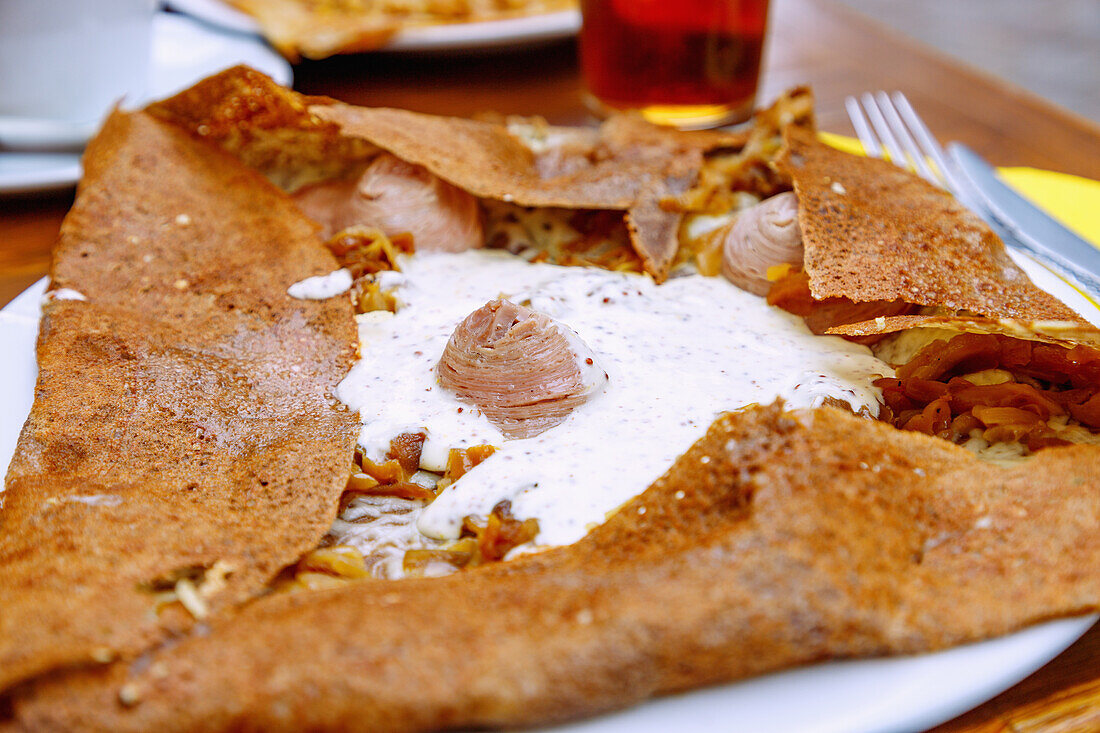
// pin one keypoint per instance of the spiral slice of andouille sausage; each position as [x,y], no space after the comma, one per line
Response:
[760,237]
[398,197]
[525,371]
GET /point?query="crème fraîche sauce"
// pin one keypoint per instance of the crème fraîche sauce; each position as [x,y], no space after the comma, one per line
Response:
[676,355]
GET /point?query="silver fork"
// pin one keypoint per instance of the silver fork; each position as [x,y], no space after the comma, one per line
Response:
[888,120]
[894,124]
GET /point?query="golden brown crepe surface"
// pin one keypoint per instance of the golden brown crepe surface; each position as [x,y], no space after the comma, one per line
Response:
[777,540]
[268,127]
[183,414]
[872,231]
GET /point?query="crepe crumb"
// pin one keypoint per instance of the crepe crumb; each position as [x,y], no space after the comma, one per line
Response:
[215,579]
[584,617]
[183,220]
[180,284]
[837,188]
[103,655]
[130,694]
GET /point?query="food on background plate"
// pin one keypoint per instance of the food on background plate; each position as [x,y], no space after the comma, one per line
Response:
[802,524]
[316,29]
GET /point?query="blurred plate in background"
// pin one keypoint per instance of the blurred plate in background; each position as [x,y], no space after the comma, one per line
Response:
[183,51]
[492,34]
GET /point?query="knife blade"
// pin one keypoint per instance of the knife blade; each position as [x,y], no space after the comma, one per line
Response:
[1031,227]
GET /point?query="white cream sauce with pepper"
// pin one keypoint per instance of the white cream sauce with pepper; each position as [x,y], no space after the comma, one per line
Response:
[676,355]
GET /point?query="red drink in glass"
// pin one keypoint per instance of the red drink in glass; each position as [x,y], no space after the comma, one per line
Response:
[688,63]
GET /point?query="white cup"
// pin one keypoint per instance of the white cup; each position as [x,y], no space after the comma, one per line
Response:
[69,61]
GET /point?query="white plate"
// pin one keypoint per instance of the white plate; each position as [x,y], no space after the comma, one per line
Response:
[442,37]
[899,694]
[183,51]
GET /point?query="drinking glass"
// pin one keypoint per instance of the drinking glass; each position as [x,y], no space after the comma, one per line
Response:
[685,63]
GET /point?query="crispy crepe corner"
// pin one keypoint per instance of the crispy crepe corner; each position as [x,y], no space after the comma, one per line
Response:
[317,30]
[873,232]
[268,127]
[183,426]
[759,532]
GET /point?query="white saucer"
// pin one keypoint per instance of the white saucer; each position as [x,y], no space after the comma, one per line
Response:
[184,51]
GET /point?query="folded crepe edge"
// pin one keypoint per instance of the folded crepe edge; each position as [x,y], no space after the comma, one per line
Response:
[162,414]
[874,232]
[756,531]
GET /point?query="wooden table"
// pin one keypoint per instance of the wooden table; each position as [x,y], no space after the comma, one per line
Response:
[812,41]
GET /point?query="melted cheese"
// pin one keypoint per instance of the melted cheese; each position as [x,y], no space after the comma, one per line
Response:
[677,355]
[382,528]
[321,287]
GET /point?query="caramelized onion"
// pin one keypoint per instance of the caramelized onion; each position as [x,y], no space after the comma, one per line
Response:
[524,370]
[945,390]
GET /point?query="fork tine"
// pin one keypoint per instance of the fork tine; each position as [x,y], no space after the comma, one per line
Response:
[954,182]
[916,155]
[871,146]
[928,143]
[897,155]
